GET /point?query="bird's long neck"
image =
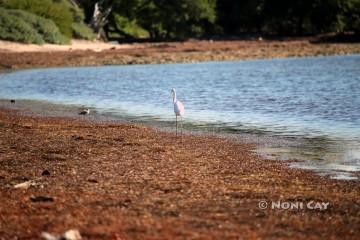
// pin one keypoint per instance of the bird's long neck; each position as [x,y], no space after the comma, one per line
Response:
[174,97]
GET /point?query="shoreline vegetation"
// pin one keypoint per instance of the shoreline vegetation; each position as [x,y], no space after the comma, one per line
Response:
[116,180]
[90,53]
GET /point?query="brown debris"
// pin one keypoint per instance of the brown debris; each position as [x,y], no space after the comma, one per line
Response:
[175,52]
[133,182]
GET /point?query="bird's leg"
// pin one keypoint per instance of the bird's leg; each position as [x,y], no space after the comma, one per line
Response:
[181,124]
[176,125]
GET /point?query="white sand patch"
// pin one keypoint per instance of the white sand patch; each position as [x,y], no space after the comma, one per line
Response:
[97,46]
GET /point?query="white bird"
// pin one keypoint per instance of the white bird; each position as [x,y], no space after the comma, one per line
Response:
[85,112]
[178,109]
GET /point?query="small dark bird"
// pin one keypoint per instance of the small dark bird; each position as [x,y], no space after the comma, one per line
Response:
[12,101]
[85,112]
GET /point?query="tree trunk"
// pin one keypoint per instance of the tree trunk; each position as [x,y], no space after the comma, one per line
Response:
[75,3]
[100,19]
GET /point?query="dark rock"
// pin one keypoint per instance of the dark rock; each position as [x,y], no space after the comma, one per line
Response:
[92,180]
[45,173]
[77,138]
[41,199]
[260,214]
[12,101]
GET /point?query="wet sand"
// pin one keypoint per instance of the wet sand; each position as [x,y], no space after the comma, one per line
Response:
[82,53]
[123,181]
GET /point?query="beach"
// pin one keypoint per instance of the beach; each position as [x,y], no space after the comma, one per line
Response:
[113,180]
[86,53]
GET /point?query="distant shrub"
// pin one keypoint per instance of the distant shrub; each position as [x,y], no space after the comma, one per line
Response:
[45,27]
[79,28]
[13,28]
[130,27]
[56,10]
[76,12]
[18,25]
[81,31]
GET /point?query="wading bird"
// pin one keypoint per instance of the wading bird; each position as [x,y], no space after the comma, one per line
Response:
[178,109]
[85,112]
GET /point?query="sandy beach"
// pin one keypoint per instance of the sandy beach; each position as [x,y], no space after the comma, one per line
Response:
[75,45]
[85,53]
[115,180]
[123,181]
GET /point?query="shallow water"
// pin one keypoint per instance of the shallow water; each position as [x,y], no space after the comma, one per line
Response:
[295,108]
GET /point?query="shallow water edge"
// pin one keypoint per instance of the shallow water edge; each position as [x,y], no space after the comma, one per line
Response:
[298,152]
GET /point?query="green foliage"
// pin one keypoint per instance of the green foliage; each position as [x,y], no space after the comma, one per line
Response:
[56,10]
[79,28]
[196,18]
[129,27]
[21,26]
[180,18]
[350,10]
[46,28]
[285,17]
[162,18]
[13,28]
[76,12]
[81,31]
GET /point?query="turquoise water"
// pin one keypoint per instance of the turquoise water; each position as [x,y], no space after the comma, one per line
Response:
[308,107]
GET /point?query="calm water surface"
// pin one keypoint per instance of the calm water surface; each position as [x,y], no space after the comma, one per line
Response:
[303,108]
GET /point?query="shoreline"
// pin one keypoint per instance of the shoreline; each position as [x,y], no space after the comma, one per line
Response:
[120,180]
[294,152]
[83,53]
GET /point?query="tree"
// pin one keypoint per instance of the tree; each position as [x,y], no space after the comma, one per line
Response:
[287,17]
[196,18]
[164,19]
[237,17]
[100,19]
